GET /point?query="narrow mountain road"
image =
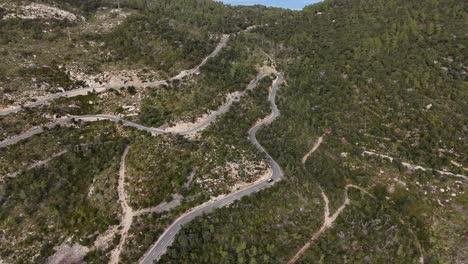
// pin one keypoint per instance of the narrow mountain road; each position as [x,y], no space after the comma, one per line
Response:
[223,109]
[99,89]
[195,128]
[127,218]
[166,239]
[37,130]
[159,248]
[154,131]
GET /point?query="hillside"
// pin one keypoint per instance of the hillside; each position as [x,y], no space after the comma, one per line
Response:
[335,134]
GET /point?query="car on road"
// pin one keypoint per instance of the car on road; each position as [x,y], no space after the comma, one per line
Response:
[270,180]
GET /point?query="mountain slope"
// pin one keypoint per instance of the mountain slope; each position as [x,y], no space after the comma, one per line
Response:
[371,135]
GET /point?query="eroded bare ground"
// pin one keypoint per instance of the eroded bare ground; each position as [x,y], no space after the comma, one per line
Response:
[162,207]
[104,239]
[67,253]
[37,10]
[413,167]
[107,80]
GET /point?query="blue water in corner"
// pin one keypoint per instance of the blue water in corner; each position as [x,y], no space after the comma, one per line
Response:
[290,4]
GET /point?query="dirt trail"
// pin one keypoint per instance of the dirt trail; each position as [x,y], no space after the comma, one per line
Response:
[127,211]
[190,178]
[328,220]
[458,165]
[314,148]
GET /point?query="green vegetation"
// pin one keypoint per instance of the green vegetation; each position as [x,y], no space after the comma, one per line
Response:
[133,38]
[370,67]
[425,201]
[73,196]
[230,130]
[11,125]
[157,168]
[144,232]
[23,42]
[51,75]
[43,146]
[360,231]
[358,67]
[158,43]
[262,228]
[230,71]
[160,167]
[381,75]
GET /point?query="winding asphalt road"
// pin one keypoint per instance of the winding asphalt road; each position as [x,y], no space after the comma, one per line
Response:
[223,109]
[154,131]
[166,239]
[100,89]
[158,249]
[32,132]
